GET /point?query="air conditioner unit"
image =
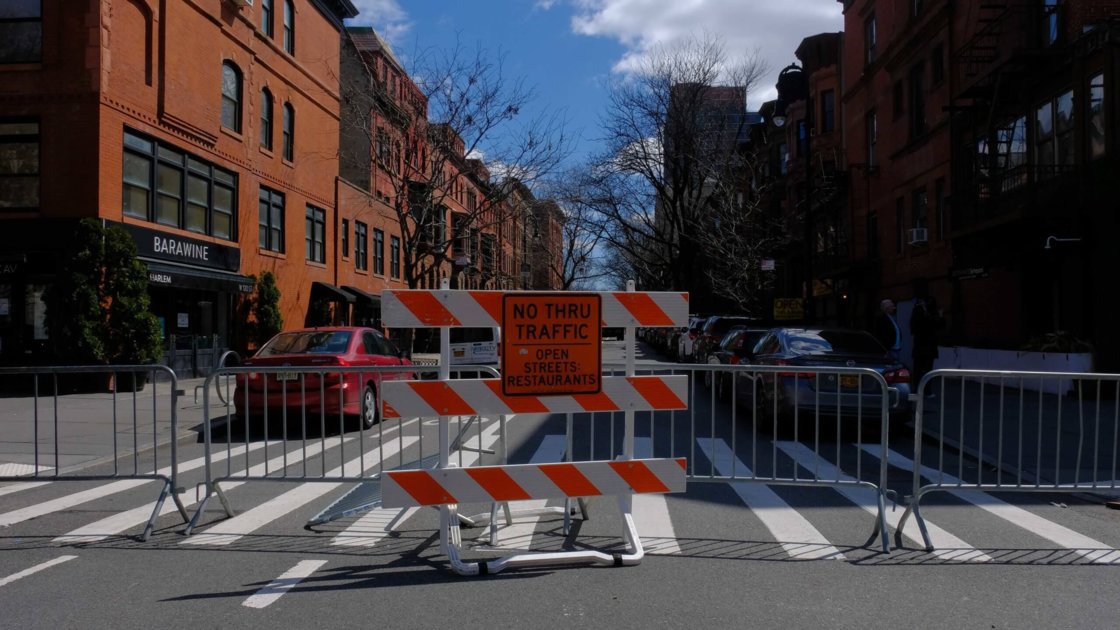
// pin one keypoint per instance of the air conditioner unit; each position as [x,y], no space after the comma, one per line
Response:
[241,3]
[919,236]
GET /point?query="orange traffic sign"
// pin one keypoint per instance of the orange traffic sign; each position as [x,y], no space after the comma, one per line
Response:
[551,344]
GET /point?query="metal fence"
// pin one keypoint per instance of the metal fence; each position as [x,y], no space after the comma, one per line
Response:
[309,428]
[61,406]
[1031,432]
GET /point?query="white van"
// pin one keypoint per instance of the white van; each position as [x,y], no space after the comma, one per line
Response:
[475,346]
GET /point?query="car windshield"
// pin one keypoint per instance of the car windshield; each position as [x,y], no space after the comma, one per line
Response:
[835,342]
[724,324]
[308,342]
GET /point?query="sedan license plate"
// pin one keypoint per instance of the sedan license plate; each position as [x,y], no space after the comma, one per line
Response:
[849,381]
[287,376]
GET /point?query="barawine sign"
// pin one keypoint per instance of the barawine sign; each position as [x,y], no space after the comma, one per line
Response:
[551,344]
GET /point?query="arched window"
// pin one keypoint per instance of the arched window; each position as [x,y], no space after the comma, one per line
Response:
[266,17]
[289,27]
[266,119]
[231,96]
[289,131]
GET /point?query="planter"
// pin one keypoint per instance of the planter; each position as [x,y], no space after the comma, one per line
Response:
[964,358]
[128,381]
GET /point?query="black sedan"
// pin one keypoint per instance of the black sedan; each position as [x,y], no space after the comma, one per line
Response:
[736,348]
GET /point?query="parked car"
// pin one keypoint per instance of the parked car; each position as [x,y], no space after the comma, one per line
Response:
[686,343]
[846,395]
[351,393]
[736,348]
[713,332]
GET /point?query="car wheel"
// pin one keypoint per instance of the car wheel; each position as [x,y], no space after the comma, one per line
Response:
[369,407]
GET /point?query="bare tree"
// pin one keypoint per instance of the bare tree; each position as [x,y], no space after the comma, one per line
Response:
[674,133]
[455,139]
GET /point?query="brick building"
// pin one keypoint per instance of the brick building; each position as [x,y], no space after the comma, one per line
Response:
[207,128]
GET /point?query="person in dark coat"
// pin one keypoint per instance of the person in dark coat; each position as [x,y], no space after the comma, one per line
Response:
[886,328]
[926,320]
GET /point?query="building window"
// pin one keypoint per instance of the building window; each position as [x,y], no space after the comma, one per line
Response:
[900,223]
[345,233]
[361,243]
[289,132]
[266,119]
[267,17]
[783,158]
[1050,30]
[872,131]
[381,145]
[870,37]
[921,208]
[937,65]
[316,237]
[918,122]
[939,207]
[802,138]
[21,31]
[1095,116]
[828,111]
[916,8]
[231,96]
[168,186]
[1054,125]
[378,252]
[1011,153]
[394,257]
[289,27]
[271,220]
[19,165]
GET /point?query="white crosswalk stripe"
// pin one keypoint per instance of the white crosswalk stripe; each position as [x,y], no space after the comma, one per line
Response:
[1093,550]
[948,546]
[286,582]
[651,512]
[519,534]
[795,533]
[233,529]
[35,569]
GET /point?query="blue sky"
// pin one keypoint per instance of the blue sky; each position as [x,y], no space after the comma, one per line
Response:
[567,49]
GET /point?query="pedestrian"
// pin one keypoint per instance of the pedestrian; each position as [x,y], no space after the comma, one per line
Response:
[926,320]
[886,328]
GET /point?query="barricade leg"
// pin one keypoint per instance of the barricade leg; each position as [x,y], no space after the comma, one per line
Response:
[168,489]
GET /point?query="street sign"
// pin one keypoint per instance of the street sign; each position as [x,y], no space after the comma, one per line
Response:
[551,344]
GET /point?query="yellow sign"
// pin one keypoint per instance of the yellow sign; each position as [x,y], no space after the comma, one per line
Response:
[550,344]
[788,308]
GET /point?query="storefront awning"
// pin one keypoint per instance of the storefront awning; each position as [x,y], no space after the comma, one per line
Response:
[330,293]
[362,295]
[180,276]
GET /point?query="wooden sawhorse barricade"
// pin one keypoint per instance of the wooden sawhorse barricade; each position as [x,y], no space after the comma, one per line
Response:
[447,487]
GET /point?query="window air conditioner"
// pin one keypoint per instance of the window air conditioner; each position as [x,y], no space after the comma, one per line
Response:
[919,236]
[241,3]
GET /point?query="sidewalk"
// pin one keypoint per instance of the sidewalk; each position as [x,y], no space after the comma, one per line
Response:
[89,431]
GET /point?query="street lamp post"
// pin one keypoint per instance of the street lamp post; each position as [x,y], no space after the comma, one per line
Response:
[793,85]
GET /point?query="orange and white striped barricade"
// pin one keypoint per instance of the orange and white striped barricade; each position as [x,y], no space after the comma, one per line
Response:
[447,487]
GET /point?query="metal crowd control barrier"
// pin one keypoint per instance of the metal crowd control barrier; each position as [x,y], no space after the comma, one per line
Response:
[835,409]
[1035,431]
[314,399]
[66,391]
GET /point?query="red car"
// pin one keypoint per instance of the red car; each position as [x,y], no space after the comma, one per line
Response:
[318,393]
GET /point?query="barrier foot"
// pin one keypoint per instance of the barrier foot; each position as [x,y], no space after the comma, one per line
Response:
[197,515]
[922,526]
[167,489]
[230,512]
[180,507]
[883,533]
[902,524]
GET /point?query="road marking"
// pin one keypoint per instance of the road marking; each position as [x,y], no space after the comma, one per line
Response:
[230,530]
[652,512]
[21,470]
[276,588]
[519,534]
[117,523]
[21,486]
[377,523]
[949,547]
[783,521]
[35,569]
[1094,550]
[85,496]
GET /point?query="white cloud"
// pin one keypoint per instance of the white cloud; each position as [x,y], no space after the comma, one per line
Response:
[775,28]
[386,16]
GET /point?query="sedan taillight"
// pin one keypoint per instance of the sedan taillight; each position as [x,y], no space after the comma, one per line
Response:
[901,375]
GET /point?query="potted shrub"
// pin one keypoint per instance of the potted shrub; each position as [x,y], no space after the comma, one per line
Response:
[98,307]
[266,310]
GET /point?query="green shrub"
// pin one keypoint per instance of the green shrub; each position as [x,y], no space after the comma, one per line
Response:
[266,309]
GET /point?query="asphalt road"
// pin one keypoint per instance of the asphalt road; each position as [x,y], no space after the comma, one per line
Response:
[724,555]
